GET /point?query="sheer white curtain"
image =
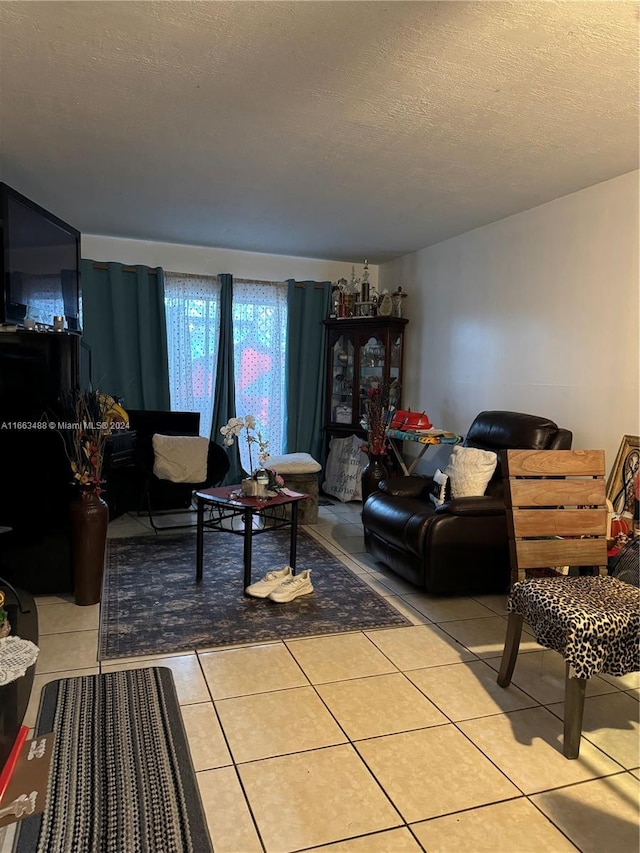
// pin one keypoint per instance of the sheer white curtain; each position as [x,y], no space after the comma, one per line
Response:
[192,307]
[260,347]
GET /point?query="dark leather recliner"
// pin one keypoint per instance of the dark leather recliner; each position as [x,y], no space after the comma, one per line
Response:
[460,547]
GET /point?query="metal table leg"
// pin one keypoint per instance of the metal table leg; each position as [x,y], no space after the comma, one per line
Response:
[294,536]
[248,535]
[199,539]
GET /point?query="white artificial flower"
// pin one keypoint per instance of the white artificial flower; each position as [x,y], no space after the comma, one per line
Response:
[247,425]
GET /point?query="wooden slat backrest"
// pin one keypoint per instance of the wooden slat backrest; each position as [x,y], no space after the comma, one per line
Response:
[552,494]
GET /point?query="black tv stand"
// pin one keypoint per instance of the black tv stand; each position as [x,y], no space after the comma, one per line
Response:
[35,369]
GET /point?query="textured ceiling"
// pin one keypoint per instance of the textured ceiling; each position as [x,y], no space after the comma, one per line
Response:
[323,129]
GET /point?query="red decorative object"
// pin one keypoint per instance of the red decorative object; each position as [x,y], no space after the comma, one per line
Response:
[410,420]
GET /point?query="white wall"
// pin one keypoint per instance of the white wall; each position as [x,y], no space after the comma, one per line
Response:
[536,313]
[174,257]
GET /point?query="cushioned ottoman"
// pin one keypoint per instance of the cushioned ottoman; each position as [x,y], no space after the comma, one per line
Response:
[300,474]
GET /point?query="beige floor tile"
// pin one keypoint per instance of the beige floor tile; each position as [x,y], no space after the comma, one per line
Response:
[380,705]
[395,583]
[611,723]
[206,741]
[390,841]
[352,544]
[344,529]
[65,617]
[433,771]
[635,773]
[541,675]
[61,652]
[485,637]
[54,599]
[635,693]
[129,528]
[269,724]
[498,603]
[447,609]
[418,646]
[339,657]
[512,827]
[527,747]
[401,605]
[624,682]
[255,669]
[187,675]
[313,798]
[467,690]
[230,825]
[39,682]
[354,565]
[597,816]
[373,581]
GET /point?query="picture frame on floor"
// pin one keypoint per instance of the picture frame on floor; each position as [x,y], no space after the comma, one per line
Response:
[620,483]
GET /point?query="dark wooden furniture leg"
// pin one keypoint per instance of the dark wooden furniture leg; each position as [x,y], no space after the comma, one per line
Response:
[199,540]
[248,535]
[574,691]
[511,646]
[293,547]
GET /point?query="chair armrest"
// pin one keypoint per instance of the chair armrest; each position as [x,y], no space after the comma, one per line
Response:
[416,486]
[474,506]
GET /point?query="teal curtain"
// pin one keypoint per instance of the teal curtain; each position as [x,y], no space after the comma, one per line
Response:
[124,324]
[224,400]
[307,306]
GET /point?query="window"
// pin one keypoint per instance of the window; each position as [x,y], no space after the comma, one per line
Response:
[192,308]
[260,347]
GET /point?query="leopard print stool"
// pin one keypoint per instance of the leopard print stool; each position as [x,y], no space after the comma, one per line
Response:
[594,622]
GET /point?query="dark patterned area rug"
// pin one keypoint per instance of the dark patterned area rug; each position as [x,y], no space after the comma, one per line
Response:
[151,603]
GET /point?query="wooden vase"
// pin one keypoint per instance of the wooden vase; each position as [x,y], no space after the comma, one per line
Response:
[372,474]
[89,519]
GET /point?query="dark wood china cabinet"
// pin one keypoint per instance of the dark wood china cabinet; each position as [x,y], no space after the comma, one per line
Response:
[362,352]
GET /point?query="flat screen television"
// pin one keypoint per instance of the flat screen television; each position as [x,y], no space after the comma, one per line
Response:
[40,264]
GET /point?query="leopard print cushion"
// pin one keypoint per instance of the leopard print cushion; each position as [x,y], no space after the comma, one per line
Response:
[594,622]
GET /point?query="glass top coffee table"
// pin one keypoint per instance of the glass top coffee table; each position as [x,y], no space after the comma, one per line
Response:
[225,505]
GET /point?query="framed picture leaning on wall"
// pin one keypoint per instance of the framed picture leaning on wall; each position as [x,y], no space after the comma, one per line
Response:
[620,485]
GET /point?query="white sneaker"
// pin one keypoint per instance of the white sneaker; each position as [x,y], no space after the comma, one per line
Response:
[272,580]
[293,587]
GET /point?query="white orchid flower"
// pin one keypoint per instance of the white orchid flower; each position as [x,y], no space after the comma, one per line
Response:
[250,422]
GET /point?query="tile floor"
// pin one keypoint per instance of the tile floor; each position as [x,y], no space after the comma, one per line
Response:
[387,740]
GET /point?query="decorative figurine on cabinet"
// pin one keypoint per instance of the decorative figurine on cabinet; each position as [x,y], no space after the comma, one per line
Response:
[397,296]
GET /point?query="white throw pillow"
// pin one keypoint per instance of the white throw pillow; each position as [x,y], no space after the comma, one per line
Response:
[469,471]
[294,463]
[180,458]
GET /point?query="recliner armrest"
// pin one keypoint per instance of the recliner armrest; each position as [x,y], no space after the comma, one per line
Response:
[415,486]
[473,506]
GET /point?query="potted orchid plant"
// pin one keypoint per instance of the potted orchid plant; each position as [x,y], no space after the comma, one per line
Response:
[247,427]
[236,427]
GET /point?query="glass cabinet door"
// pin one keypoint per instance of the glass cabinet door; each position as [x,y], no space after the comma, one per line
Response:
[362,353]
[342,366]
[395,366]
[371,362]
